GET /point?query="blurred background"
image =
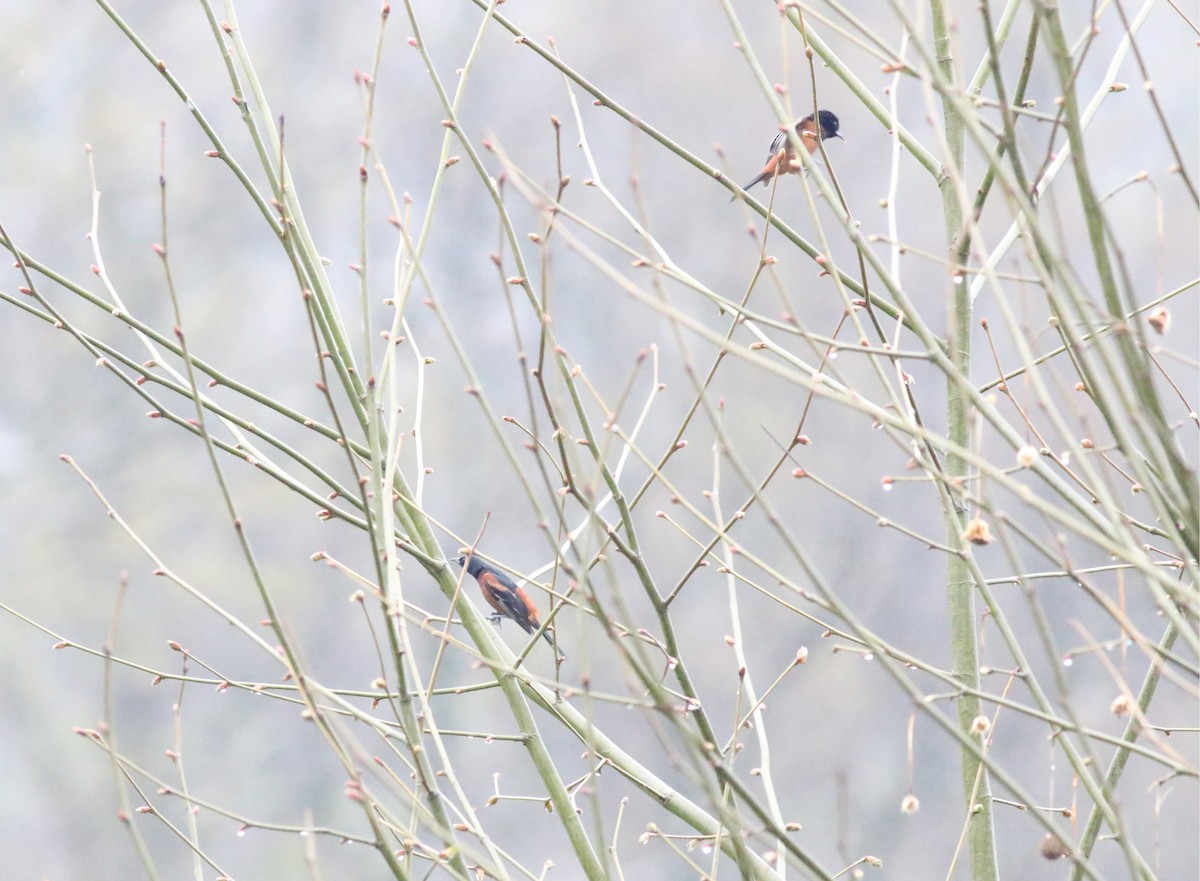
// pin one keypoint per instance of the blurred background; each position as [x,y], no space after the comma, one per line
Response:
[69,78]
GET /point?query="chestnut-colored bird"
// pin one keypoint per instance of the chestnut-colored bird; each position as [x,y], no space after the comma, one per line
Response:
[783,155]
[503,595]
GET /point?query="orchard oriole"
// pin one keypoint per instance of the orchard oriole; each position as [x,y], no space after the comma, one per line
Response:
[503,595]
[783,156]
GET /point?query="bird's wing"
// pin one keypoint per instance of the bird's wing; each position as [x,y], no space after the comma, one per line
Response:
[504,592]
[778,144]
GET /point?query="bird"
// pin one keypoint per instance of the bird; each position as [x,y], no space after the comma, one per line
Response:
[503,595]
[782,158]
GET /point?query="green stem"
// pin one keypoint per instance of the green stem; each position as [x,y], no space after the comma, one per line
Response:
[960,584]
[1116,766]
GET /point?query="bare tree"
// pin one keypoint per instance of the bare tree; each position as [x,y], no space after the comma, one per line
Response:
[810,530]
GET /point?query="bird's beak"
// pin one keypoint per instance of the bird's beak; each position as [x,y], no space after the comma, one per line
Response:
[839,135]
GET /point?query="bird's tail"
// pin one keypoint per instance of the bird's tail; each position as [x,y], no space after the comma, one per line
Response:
[758,180]
[550,639]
